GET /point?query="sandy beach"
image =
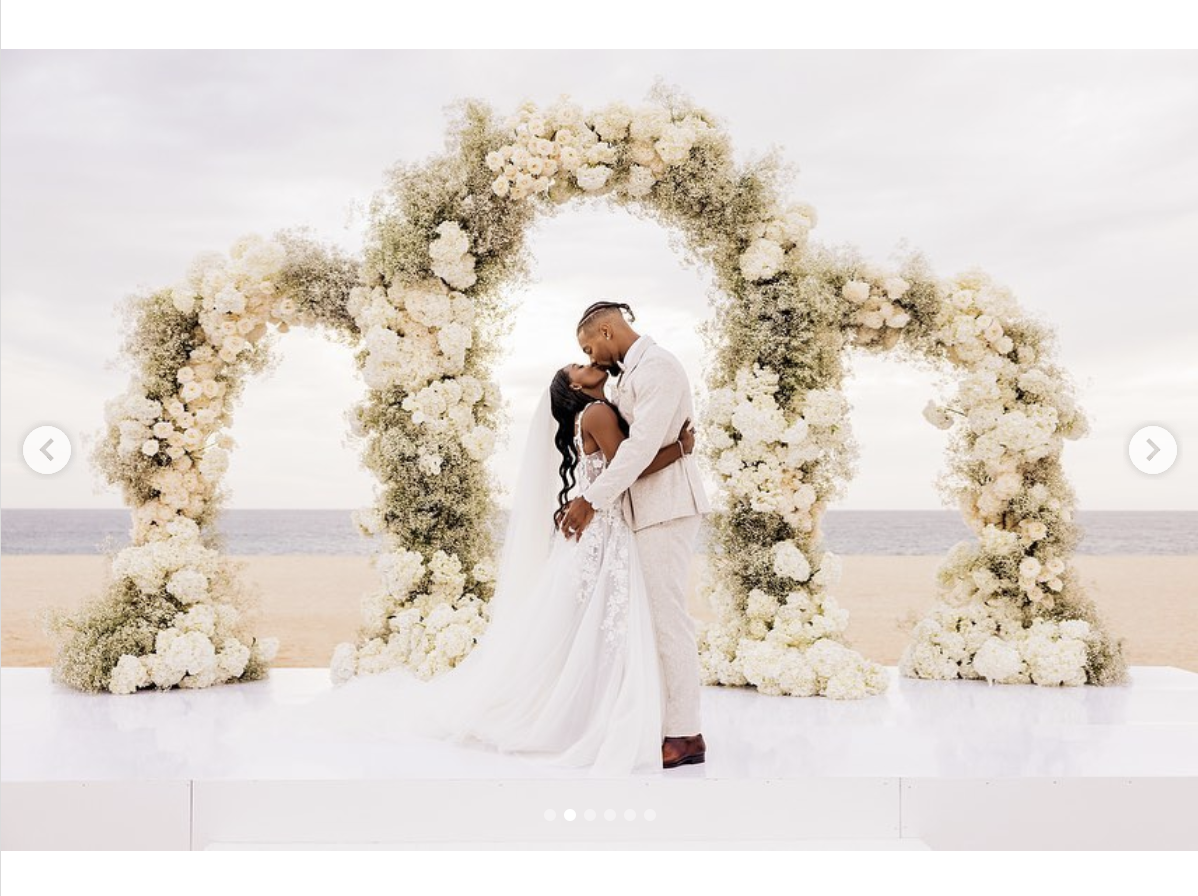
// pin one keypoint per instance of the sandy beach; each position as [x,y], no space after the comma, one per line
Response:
[311,603]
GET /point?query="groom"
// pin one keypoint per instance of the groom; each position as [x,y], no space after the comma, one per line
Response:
[664,509]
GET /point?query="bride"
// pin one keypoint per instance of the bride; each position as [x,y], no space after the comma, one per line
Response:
[567,670]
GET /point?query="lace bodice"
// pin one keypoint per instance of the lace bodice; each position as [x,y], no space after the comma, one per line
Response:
[605,547]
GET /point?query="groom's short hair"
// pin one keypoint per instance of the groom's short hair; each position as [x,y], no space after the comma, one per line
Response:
[600,310]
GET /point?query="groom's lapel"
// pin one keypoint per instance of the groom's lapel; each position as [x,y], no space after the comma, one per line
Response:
[625,372]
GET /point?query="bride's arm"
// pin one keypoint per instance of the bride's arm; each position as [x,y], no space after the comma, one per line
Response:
[672,453]
[602,426]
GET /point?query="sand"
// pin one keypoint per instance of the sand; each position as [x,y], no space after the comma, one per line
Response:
[311,603]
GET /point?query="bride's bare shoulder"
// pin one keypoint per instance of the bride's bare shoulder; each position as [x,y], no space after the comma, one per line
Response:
[598,416]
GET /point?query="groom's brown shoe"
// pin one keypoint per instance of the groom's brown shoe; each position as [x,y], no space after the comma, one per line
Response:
[677,751]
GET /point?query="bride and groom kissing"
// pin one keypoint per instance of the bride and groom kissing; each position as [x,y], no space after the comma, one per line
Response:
[589,658]
[648,496]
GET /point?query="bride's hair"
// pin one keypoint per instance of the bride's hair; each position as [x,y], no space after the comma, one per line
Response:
[565,403]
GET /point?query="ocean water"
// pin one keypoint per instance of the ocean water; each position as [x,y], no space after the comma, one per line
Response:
[883,532]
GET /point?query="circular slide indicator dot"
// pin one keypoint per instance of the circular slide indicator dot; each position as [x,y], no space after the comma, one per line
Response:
[609,814]
[589,815]
[630,814]
[1152,449]
[569,815]
[47,449]
[649,815]
[550,815]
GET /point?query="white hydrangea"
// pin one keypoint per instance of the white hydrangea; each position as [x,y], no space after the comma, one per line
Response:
[790,562]
[448,578]
[450,252]
[761,605]
[996,660]
[129,674]
[232,659]
[401,571]
[200,617]
[761,260]
[189,585]
[1051,659]
[192,652]
[162,671]
[428,302]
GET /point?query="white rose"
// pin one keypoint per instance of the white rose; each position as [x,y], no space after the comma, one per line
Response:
[1029,568]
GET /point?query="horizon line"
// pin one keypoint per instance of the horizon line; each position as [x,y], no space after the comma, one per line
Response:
[829,510]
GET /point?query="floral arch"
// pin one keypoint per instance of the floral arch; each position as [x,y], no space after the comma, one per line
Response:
[446,240]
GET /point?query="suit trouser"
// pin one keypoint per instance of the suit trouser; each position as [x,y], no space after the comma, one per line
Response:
[666,551]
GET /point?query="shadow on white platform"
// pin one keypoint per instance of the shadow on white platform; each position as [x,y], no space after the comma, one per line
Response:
[1027,767]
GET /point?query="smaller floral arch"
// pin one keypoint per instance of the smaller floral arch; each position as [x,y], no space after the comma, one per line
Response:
[446,244]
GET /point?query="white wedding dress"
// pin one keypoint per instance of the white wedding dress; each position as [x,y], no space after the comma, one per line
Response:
[566,671]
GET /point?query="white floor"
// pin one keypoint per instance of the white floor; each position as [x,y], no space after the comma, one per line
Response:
[895,768]
[916,729]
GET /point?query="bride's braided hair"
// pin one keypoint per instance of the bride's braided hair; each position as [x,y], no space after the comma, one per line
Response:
[598,307]
[565,403]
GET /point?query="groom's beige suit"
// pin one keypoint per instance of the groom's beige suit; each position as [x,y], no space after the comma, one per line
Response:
[664,510]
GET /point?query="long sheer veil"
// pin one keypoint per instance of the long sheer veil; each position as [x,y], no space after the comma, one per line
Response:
[529,533]
[373,707]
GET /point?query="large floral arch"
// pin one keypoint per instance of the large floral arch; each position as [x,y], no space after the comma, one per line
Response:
[420,307]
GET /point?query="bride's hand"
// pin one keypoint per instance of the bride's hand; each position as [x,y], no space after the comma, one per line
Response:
[576,518]
[686,436]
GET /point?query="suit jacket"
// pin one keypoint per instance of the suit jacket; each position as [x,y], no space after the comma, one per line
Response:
[654,396]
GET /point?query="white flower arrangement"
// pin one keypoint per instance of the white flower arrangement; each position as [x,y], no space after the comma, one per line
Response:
[877,314]
[167,445]
[419,309]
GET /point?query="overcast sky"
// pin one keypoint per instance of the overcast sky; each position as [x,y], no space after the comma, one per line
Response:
[1071,177]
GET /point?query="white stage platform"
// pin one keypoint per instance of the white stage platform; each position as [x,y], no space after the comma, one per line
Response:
[940,765]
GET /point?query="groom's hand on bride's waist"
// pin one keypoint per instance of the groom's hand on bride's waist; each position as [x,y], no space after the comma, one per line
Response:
[579,513]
